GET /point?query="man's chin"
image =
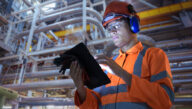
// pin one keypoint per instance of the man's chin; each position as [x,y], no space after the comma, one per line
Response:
[117,44]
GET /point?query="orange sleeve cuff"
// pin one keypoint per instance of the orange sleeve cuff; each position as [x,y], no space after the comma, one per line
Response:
[90,100]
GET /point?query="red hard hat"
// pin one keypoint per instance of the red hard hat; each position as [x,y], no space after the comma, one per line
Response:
[119,7]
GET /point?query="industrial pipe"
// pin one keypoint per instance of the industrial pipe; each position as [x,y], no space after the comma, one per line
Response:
[179,70]
[180,58]
[173,43]
[69,12]
[45,103]
[49,73]
[39,74]
[183,101]
[66,22]
[66,83]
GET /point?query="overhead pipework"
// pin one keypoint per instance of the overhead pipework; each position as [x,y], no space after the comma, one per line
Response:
[35,32]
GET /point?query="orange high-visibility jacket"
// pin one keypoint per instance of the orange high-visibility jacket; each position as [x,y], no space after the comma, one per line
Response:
[151,84]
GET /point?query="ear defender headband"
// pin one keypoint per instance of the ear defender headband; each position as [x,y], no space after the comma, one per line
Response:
[132,19]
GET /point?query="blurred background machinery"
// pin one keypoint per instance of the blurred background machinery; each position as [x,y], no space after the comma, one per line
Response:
[34,32]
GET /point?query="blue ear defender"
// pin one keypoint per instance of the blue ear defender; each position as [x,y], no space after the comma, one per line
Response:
[134,24]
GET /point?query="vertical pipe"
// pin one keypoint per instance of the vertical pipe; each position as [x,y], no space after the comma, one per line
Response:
[39,42]
[29,94]
[1,67]
[84,17]
[9,33]
[34,66]
[104,6]
[32,29]
[21,74]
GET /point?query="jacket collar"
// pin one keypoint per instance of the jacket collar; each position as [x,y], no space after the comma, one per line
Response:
[135,49]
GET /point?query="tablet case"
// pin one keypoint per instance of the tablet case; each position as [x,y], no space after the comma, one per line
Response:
[93,76]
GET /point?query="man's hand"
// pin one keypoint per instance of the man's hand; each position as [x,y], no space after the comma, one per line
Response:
[76,74]
[114,68]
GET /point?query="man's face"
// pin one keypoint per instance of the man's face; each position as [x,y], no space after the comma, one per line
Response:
[120,32]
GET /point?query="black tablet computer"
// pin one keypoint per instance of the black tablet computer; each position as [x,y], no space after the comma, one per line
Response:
[96,76]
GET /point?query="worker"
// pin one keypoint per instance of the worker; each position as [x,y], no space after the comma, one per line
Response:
[140,76]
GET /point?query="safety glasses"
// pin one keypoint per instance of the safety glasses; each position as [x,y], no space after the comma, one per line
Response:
[114,27]
[111,17]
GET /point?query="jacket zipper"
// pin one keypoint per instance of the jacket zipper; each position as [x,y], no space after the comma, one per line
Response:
[124,60]
[119,79]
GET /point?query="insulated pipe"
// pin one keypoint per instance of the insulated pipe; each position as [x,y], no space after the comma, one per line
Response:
[49,73]
[55,49]
[173,56]
[182,81]
[69,12]
[161,27]
[181,64]
[173,43]
[32,75]
[66,83]
[188,75]
[177,101]
[45,103]
[67,22]
[183,101]
[32,7]
[180,58]
[33,99]
[178,70]
[64,8]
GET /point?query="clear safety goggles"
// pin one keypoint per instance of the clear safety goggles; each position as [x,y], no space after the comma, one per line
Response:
[114,27]
[111,17]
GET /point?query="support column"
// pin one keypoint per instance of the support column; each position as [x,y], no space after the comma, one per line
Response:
[22,71]
[29,94]
[84,18]
[33,26]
